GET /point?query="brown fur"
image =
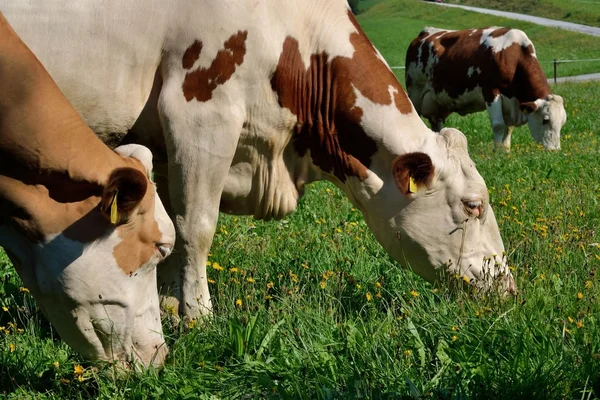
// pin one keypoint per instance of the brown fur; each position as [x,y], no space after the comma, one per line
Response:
[201,83]
[322,98]
[416,165]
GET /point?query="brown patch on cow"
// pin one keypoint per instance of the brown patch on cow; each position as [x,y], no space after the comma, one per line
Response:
[413,165]
[322,98]
[513,72]
[139,241]
[201,83]
[496,33]
[191,55]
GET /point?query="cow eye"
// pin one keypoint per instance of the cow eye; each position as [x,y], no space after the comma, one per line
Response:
[474,207]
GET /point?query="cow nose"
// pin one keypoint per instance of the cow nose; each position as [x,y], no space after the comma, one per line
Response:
[165,249]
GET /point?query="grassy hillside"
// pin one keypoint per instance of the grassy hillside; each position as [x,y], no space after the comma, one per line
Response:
[392,25]
[585,12]
[312,307]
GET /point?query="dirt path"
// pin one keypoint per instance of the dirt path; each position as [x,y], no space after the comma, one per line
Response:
[589,30]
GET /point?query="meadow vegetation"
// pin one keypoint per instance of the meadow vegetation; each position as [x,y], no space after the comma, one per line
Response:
[393,24]
[312,307]
[585,12]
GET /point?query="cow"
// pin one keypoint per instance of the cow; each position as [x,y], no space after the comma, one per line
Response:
[493,69]
[82,224]
[244,103]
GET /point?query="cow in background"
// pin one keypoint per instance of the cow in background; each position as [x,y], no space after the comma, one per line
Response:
[82,224]
[493,69]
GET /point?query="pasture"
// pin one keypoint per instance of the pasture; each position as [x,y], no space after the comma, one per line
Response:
[312,307]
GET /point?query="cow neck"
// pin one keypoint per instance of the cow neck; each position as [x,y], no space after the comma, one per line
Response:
[52,167]
[323,97]
[530,81]
[43,140]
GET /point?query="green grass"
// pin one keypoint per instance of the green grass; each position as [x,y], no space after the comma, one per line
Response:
[326,313]
[585,12]
[393,24]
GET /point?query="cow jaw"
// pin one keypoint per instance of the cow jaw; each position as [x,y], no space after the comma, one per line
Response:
[446,227]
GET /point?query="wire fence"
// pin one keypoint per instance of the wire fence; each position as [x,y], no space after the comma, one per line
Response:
[555,62]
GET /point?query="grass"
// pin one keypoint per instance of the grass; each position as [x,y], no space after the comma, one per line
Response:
[585,12]
[312,307]
[393,24]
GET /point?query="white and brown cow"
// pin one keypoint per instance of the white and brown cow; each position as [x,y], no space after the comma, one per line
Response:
[493,69]
[82,224]
[250,101]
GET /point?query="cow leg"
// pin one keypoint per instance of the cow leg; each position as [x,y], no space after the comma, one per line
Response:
[200,150]
[501,133]
[506,138]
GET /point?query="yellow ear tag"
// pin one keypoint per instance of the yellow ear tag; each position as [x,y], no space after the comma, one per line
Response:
[114,213]
[412,186]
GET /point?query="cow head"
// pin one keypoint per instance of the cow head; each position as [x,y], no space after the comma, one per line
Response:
[93,270]
[545,118]
[432,214]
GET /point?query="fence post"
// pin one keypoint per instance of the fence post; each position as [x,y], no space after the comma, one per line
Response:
[555,71]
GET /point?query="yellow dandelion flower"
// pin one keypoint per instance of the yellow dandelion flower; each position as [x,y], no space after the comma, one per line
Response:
[192,323]
[24,290]
[55,364]
[5,309]
[19,330]
[454,338]
[588,284]
[567,330]
[80,378]
[358,286]
[378,295]
[414,293]
[454,328]
[250,279]
[239,302]
[571,320]
[216,266]
[208,263]
[466,279]
[377,285]
[579,324]
[542,277]
[407,353]
[368,296]
[77,369]
[211,281]
[233,270]
[269,285]
[294,277]
[579,296]
[12,347]
[323,284]
[305,266]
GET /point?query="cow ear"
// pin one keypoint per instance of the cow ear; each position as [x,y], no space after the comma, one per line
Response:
[528,107]
[123,192]
[412,171]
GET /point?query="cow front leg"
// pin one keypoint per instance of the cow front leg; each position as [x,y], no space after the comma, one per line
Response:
[436,124]
[200,151]
[501,131]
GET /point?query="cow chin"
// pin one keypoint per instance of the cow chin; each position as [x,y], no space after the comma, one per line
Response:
[470,252]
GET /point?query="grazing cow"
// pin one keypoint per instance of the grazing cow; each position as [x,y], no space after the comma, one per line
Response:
[248,102]
[82,224]
[493,69]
